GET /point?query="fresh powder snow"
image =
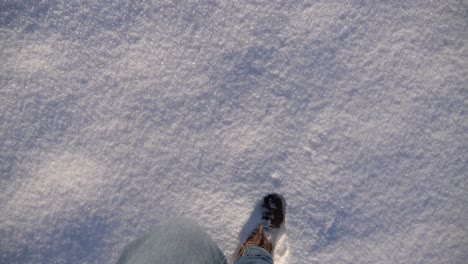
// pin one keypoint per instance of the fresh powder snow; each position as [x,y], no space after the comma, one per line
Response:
[118,115]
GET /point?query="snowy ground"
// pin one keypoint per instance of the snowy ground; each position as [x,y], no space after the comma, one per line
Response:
[117,115]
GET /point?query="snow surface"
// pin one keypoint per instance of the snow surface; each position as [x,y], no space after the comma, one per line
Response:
[117,115]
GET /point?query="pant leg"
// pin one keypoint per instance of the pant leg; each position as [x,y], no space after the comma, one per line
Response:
[255,255]
[179,241]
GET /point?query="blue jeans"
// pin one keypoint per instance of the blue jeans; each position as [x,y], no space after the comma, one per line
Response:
[183,241]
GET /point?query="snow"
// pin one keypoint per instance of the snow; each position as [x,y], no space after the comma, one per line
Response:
[117,115]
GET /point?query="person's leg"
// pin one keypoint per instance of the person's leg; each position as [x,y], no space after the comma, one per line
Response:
[177,241]
[255,255]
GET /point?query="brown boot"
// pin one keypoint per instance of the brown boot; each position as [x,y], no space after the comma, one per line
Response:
[257,238]
[271,214]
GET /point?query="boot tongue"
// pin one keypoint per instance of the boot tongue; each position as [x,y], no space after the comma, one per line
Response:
[257,238]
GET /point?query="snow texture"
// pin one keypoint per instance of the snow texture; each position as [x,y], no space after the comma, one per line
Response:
[117,115]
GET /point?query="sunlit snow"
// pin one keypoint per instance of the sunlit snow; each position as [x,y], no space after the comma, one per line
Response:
[117,115]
